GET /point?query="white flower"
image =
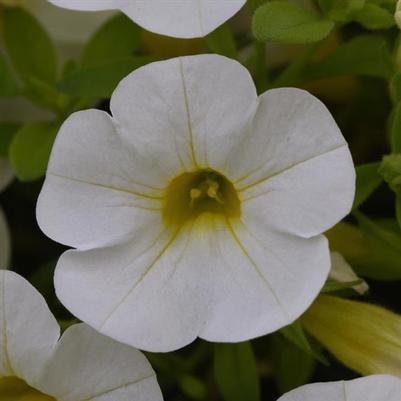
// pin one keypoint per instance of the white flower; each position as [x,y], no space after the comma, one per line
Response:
[82,365]
[177,18]
[5,178]
[370,388]
[342,272]
[197,208]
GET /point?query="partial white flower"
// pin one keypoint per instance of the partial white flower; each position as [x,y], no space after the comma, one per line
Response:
[177,18]
[81,365]
[197,208]
[370,388]
[5,249]
[342,272]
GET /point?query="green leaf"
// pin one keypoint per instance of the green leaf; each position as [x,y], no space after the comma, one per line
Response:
[44,95]
[235,372]
[7,131]
[395,87]
[373,16]
[221,41]
[390,169]
[291,366]
[192,387]
[8,85]
[341,10]
[30,149]
[396,129]
[117,38]
[398,209]
[366,55]
[100,81]
[293,73]
[367,180]
[296,335]
[381,258]
[279,21]
[254,4]
[29,46]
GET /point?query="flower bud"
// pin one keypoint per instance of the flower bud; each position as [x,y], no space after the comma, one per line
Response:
[342,272]
[364,337]
[397,14]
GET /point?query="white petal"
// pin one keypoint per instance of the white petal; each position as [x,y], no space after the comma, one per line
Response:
[87,365]
[177,18]
[6,174]
[85,5]
[342,272]
[140,300]
[261,289]
[92,195]
[198,282]
[186,112]
[5,248]
[28,330]
[294,170]
[370,388]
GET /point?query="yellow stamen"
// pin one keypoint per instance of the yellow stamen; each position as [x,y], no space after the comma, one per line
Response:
[213,190]
[197,192]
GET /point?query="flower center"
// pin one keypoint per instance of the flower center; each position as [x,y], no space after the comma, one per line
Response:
[14,389]
[203,191]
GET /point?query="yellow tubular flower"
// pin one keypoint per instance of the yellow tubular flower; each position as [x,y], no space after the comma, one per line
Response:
[366,338]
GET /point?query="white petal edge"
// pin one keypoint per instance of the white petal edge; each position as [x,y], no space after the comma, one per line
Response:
[89,366]
[178,107]
[193,285]
[293,164]
[304,200]
[370,388]
[90,198]
[28,330]
[176,18]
